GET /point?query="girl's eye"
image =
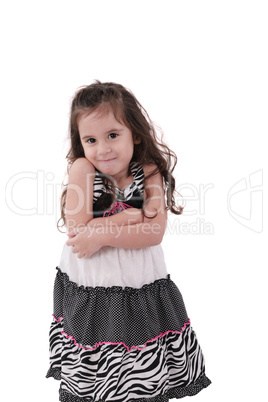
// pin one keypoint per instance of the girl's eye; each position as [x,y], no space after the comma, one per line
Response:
[113,135]
[91,140]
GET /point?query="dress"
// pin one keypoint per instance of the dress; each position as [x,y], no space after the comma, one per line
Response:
[120,330]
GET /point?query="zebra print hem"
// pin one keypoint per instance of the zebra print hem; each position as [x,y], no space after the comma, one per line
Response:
[171,364]
[192,389]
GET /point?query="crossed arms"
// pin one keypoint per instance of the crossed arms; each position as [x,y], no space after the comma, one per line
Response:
[126,229]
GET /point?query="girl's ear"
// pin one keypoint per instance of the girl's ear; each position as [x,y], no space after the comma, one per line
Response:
[137,140]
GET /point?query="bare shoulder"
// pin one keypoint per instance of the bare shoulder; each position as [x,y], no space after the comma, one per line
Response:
[156,178]
[153,185]
[148,168]
[80,169]
[82,165]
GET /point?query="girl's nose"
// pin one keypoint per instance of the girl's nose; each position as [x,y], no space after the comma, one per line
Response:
[104,148]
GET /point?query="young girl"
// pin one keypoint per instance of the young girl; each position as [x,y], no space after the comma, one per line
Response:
[120,330]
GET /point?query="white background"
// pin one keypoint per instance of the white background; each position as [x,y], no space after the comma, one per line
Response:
[200,70]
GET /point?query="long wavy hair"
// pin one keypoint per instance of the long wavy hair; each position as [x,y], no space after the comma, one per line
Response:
[127,109]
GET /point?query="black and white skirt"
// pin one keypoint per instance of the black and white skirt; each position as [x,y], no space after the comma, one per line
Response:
[120,330]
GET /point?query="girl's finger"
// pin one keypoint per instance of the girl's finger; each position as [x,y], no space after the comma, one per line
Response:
[70,242]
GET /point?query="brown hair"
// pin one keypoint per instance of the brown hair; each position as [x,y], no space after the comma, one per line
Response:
[126,108]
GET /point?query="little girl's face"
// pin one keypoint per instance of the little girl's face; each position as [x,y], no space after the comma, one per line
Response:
[107,143]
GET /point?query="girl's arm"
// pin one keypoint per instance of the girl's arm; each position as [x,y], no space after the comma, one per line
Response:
[79,197]
[79,201]
[149,233]
[132,216]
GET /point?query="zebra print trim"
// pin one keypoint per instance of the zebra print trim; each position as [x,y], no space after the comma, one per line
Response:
[169,367]
[127,193]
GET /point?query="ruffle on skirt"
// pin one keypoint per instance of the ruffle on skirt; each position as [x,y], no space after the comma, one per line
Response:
[123,344]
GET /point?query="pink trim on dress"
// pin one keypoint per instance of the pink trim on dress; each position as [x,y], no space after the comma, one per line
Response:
[117,205]
[58,320]
[120,343]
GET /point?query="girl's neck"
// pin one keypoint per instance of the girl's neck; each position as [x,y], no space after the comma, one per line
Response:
[121,180]
[124,182]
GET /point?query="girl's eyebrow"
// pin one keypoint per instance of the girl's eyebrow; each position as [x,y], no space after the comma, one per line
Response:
[107,132]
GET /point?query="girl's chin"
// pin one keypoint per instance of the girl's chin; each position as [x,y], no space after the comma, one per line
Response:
[107,169]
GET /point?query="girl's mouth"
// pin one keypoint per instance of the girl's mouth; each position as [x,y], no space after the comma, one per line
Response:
[107,160]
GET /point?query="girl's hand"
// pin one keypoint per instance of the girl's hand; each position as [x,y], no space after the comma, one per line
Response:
[84,241]
[75,230]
